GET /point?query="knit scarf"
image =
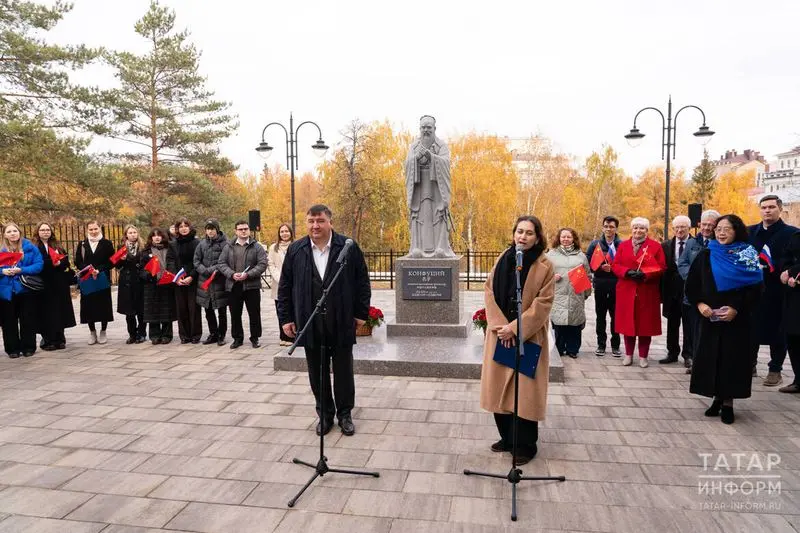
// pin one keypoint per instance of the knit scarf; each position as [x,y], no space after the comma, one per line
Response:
[566,250]
[637,244]
[504,285]
[133,247]
[94,240]
[734,265]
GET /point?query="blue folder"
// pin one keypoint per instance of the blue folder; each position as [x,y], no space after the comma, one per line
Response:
[528,362]
[91,285]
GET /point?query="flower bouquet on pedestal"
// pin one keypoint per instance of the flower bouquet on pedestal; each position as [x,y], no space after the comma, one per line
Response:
[374,320]
[479,320]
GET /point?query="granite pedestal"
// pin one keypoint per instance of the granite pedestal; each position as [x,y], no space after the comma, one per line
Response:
[427,299]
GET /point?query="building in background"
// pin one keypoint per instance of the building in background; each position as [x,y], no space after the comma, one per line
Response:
[783,179]
[736,162]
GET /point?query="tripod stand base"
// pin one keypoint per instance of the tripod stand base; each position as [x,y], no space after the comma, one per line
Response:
[514,476]
[320,469]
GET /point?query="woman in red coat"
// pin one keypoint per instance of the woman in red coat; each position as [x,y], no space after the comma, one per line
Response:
[638,264]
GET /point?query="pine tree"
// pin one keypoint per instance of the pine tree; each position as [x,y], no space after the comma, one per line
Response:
[163,105]
[704,180]
[34,75]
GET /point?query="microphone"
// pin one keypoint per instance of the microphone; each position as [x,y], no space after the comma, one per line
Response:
[519,257]
[346,250]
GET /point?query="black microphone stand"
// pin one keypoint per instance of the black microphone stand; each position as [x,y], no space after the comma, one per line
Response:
[514,475]
[321,467]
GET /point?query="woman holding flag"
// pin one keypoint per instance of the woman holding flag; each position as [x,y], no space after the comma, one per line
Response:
[93,260]
[638,265]
[190,323]
[18,258]
[130,290]
[725,284]
[55,312]
[568,314]
[155,264]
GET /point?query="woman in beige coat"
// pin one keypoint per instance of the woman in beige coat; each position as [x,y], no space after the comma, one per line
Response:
[497,381]
[275,255]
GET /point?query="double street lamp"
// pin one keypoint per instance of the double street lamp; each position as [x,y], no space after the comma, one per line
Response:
[669,126]
[265,150]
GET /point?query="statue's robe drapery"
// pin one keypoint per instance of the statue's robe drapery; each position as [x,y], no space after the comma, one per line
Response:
[428,195]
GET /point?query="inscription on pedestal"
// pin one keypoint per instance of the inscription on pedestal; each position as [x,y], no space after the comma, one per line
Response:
[425,283]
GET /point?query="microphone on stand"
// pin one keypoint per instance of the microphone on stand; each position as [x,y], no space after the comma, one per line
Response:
[519,257]
[346,250]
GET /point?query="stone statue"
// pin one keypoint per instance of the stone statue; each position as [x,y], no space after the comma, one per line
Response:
[428,193]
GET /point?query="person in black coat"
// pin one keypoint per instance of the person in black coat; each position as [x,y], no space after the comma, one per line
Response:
[791,308]
[215,299]
[159,300]
[605,286]
[672,294]
[130,288]
[190,324]
[308,268]
[96,307]
[724,283]
[774,233]
[54,306]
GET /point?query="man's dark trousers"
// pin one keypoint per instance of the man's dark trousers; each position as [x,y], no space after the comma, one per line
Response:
[676,315]
[344,385]
[604,302]
[238,300]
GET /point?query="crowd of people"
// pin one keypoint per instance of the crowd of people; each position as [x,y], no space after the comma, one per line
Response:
[730,289]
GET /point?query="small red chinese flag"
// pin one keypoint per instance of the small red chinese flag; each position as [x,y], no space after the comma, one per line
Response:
[10,258]
[597,258]
[153,266]
[207,283]
[650,269]
[579,279]
[166,278]
[55,256]
[119,254]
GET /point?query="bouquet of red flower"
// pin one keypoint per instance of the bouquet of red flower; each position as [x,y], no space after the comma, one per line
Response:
[375,318]
[479,320]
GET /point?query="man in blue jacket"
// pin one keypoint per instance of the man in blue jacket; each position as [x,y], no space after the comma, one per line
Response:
[605,285]
[774,233]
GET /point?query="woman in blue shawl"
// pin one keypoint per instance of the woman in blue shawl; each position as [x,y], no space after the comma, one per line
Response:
[725,283]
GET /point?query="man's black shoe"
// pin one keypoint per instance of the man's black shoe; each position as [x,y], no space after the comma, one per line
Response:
[669,359]
[27,353]
[328,427]
[235,344]
[616,352]
[687,362]
[255,344]
[14,355]
[186,341]
[130,340]
[346,423]
[221,341]
[600,352]
[211,339]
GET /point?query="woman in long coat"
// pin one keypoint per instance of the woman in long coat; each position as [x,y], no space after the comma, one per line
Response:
[791,308]
[725,284]
[96,250]
[276,254]
[159,300]
[130,289]
[497,381]
[215,299]
[638,264]
[183,246]
[568,314]
[55,312]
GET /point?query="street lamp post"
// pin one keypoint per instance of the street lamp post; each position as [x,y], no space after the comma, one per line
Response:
[265,150]
[668,136]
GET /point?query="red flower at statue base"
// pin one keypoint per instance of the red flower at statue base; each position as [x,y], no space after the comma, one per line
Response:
[375,317]
[479,320]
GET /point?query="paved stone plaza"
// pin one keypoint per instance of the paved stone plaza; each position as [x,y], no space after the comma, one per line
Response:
[144,439]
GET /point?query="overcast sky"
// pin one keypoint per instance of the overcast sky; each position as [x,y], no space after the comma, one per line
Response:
[574,70]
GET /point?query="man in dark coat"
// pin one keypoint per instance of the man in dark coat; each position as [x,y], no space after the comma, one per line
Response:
[215,299]
[791,309]
[708,221]
[605,286]
[308,269]
[774,233]
[242,262]
[672,293]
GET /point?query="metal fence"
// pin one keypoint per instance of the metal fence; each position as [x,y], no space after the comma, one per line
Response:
[474,265]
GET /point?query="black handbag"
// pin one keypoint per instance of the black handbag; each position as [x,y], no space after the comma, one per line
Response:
[32,282]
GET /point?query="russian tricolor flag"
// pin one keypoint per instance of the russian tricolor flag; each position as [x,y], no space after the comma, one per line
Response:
[766,256]
[180,274]
[612,251]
